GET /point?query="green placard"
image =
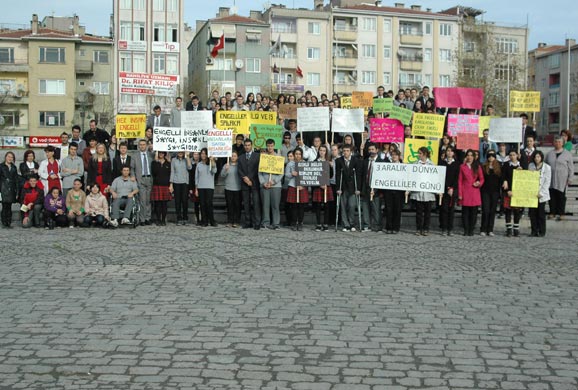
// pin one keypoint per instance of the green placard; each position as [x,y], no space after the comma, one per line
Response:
[261,133]
[382,105]
[403,114]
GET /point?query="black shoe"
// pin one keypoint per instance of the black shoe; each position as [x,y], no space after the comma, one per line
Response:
[214,224]
[294,228]
[148,222]
[246,227]
[299,227]
[318,228]
[257,227]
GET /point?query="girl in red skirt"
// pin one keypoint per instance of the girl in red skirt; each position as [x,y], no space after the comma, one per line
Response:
[297,202]
[323,195]
[160,194]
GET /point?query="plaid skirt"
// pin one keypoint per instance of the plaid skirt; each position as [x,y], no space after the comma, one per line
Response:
[292,195]
[319,197]
[160,193]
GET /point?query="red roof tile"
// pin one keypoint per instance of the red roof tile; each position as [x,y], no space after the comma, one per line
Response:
[392,10]
[233,19]
[49,33]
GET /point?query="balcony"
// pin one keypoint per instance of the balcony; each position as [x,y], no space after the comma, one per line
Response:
[348,61]
[288,33]
[415,66]
[345,33]
[344,88]
[83,98]
[84,67]
[411,39]
[287,62]
[20,98]
[16,66]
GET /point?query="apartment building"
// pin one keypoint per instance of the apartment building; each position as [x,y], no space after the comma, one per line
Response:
[53,79]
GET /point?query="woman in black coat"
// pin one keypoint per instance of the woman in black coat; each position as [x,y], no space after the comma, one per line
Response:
[28,168]
[8,187]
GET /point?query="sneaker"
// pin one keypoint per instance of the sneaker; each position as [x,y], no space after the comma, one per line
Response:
[444,233]
[366,229]
[483,234]
[325,228]
[450,234]
[318,228]
[125,221]
[276,228]
[71,227]
[345,229]
[550,216]
[353,229]
[418,233]
[491,234]
[425,233]
[114,223]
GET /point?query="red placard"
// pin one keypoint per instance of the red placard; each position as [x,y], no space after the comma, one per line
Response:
[468,141]
[471,98]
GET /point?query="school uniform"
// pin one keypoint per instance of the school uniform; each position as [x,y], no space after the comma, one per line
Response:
[447,209]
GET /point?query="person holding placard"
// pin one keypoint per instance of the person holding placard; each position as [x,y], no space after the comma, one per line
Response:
[195,159]
[249,173]
[562,164]
[270,193]
[297,196]
[370,199]
[161,194]
[490,193]
[423,200]
[538,215]
[205,187]
[450,196]
[348,178]
[232,190]
[179,185]
[470,181]
[509,211]
[323,195]
[393,201]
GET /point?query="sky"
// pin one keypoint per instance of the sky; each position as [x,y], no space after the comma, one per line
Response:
[549,24]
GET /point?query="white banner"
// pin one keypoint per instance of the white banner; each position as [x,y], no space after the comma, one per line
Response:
[312,119]
[165,47]
[197,119]
[506,130]
[132,45]
[8,141]
[192,136]
[347,120]
[220,143]
[148,84]
[408,177]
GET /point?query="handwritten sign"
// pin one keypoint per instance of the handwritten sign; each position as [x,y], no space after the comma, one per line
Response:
[220,143]
[239,121]
[385,130]
[525,188]
[261,118]
[179,139]
[197,120]
[412,145]
[261,133]
[345,102]
[312,119]
[525,101]
[484,124]
[271,164]
[287,111]
[428,125]
[463,124]
[381,105]
[131,126]
[347,121]
[403,114]
[361,99]
[468,141]
[506,130]
[312,173]
[408,177]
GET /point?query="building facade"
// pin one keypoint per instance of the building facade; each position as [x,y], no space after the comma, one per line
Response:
[53,79]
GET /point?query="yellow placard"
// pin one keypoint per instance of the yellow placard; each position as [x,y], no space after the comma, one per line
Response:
[271,164]
[361,99]
[525,101]
[261,118]
[412,145]
[428,125]
[485,124]
[525,188]
[239,121]
[131,126]
[345,102]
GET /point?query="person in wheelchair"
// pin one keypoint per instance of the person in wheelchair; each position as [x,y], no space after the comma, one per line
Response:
[123,190]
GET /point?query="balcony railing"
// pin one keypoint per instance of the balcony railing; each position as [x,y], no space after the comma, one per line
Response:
[345,27]
[284,29]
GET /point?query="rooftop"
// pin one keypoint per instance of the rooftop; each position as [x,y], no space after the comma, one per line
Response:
[46,33]
[236,19]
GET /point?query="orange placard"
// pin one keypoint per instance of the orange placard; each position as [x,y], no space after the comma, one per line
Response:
[361,100]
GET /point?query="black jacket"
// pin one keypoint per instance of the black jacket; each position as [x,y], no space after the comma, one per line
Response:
[345,176]
[249,168]
[102,136]
[92,172]
[8,183]
[117,165]
[366,175]
[452,174]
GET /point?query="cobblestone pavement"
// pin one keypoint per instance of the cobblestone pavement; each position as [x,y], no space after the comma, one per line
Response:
[217,308]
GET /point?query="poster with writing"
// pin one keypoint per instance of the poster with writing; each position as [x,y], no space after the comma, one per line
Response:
[385,130]
[381,105]
[506,130]
[525,101]
[525,188]
[412,145]
[131,125]
[312,119]
[468,141]
[287,111]
[428,125]
[409,177]
[271,164]
[484,124]
[261,133]
[220,143]
[179,139]
[403,114]
[458,123]
[312,173]
[459,97]
[347,121]
[361,99]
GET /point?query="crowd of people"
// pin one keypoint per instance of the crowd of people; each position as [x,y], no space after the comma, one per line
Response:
[97,180]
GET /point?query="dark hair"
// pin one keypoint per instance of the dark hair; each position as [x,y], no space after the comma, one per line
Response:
[93,121]
[91,137]
[370,144]
[425,151]
[49,148]
[76,127]
[179,98]
[495,164]
[77,180]
[539,153]
[124,143]
[55,188]
[195,97]
[73,145]
[298,150]
[346,146]
[524,115]
[28,153]
[249,140]
[270,141]
[568,134]
[327,153]
[475,162]
[157,107]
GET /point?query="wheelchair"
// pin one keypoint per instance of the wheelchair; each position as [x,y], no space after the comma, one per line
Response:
[134,213]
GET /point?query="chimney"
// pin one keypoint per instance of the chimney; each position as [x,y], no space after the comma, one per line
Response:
[378,3]
[255,15]
[399,5]
[416,7]
[34,24]
[541,45]
[199,24]
[223,12]
[570,42]
[428,9]
[318,5]
[75,25]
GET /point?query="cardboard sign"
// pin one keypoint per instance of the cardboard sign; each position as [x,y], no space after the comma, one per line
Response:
[179,139]
[428,125]
[409,177]
[484,124]
[287,111]
[220,143]
[239,121]
[385,130]
[463,124]
[312,119]
[271,164]
[345,102]
[347,121]
[361,99]
[506,130]
[403,114]
[411,146]
[131,126]
[261,133]
[261,118]
[468,141]
[525,188]
[525,101]
[197,120]
[312,173]
[457,97]
[381,105]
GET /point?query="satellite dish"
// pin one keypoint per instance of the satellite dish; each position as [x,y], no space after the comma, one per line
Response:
[239,64]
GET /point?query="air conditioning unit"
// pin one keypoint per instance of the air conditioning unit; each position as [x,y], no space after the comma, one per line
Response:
[210,61]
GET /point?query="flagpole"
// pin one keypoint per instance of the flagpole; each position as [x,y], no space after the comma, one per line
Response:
[224,66]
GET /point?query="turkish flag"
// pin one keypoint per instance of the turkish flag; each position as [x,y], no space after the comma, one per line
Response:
[299,71]
[218,46]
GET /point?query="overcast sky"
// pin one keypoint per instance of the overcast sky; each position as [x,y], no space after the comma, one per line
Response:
[550,24]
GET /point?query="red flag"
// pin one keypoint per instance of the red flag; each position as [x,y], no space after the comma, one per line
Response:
[218,46]
[275,69]
[299,71]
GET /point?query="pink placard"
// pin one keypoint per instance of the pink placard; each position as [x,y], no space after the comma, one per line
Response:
[463,124]
[471,98]
[385,130]
[468,141]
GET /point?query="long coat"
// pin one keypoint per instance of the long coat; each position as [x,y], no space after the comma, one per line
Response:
[470,195]
[8,183]
[562,169]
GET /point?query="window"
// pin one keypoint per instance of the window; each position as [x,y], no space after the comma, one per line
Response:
[172,64]
[445,55]
[368,24]
[445,29]
[218,64]
[125,62]
[283,26]
[138,32]
[173,33]
[507,45]
[172,5]
[368,51]
[386,25]
[82,53]
[101,56]
[158,5]
[427,79]
[125,29]
[159,32]
[554,99]
[367,77]
[386,78]
[52,118]
[339,51]
[427,28]
[6,55]
[253,65]
[469,46]
[313,79]
[138,4]
[409,79]
[125,4]
[444,80]
[159,63]
[427,55]
[501,72]
[313,53]
[52,87]
[138,62]
[555,61]
[314,28]
[340,25]
[7,86]
[387,52]
[254,89]
[9,119]
[101,87]
[406,28]
[52,54]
